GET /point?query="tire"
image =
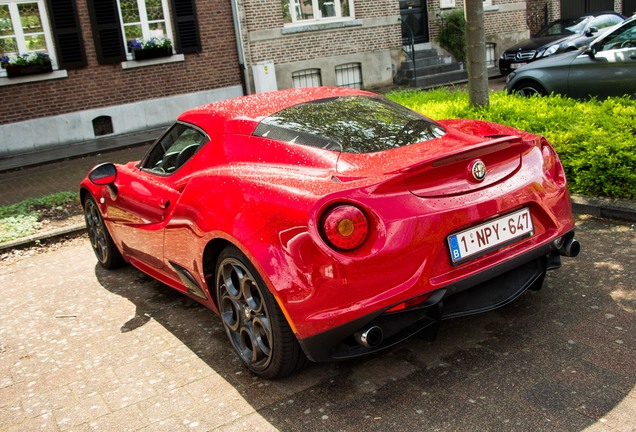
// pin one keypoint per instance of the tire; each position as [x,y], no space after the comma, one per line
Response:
[530,88]
[102,243]
[253,321]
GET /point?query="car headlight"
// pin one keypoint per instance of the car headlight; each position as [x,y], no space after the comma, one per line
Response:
[548,52]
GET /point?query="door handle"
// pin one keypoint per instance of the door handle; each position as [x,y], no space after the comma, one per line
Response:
[165,205]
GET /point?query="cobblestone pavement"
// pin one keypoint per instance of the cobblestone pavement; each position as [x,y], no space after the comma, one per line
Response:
[83,349]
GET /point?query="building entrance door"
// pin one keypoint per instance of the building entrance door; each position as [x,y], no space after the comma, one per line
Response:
[414,16]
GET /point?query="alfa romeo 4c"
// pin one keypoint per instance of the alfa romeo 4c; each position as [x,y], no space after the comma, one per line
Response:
[329,223]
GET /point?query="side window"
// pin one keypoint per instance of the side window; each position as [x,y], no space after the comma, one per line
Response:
[624,38]
[145,24]
[174,149]
[604,21]
[122,29]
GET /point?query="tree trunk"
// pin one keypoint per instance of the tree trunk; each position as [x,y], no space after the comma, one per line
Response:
[476,53]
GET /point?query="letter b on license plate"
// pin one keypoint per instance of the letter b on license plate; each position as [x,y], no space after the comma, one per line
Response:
[475,241]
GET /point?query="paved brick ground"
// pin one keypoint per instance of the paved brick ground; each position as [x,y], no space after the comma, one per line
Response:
[85,349]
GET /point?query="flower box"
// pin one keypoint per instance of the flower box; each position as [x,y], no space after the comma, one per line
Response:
[14,71]
[151,53]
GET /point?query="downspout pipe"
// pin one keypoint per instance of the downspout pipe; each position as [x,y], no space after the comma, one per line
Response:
[239,47]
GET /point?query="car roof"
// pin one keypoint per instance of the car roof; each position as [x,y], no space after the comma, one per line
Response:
[242,114]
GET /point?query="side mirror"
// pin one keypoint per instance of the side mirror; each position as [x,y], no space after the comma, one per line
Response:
[591,31]
[591,51]
[103,175]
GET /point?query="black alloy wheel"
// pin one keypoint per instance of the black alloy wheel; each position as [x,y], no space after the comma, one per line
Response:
[252,319]
[100,239]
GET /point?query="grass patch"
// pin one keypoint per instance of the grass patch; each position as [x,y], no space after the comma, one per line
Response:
[596,140]
[23,219]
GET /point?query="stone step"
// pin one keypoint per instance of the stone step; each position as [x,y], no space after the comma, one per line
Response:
[435,80]
[426,61]
[430,70]
[423,53]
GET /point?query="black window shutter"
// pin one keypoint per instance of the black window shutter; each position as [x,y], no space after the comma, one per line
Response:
[186,27]
[109,44]
[67,33]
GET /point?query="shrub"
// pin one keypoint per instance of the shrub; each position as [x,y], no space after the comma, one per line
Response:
[452,35]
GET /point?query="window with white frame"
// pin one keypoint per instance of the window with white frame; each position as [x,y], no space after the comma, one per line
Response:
[301,11]
[306,78]
[144,19]
[24,29]
[489,6]
[349,75]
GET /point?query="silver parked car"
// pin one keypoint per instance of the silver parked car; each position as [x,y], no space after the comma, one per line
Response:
[559,36]
[606,68]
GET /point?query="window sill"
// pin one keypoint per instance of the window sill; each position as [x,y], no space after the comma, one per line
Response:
[132,64]
[317,26]
[491,8]
[57,74]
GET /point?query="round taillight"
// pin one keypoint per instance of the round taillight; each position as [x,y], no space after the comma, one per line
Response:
[549,161]
[345,227]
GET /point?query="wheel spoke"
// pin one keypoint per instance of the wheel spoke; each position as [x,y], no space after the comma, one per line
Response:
[232,275]
[252,295]
[244,314]
[262,335]
[230,311]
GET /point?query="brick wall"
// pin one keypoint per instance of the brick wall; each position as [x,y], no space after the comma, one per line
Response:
[496,21]
[369,9]
[267,15]
[538,13]
[306,46]
[95,86]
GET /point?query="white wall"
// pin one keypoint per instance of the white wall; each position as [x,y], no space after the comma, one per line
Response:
[65,129]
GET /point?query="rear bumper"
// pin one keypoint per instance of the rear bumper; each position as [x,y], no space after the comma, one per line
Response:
[485,291]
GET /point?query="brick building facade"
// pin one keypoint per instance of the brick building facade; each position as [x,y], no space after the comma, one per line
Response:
[346,42]
[96,77]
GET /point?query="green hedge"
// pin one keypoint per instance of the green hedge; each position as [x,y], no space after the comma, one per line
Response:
[596,140]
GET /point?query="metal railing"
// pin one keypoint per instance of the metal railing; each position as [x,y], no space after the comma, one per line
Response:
[409,49]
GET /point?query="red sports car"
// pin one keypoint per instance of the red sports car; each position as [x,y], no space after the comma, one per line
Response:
[329,223]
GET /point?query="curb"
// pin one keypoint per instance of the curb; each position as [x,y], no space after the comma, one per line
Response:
[604,208]
[70,231]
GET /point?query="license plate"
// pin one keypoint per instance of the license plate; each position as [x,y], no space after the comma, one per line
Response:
[475,241]
[517,65]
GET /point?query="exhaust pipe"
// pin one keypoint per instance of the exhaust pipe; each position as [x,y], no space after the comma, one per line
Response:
[369,337]
[570,247]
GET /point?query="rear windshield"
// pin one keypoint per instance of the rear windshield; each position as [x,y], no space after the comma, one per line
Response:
[352,124]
